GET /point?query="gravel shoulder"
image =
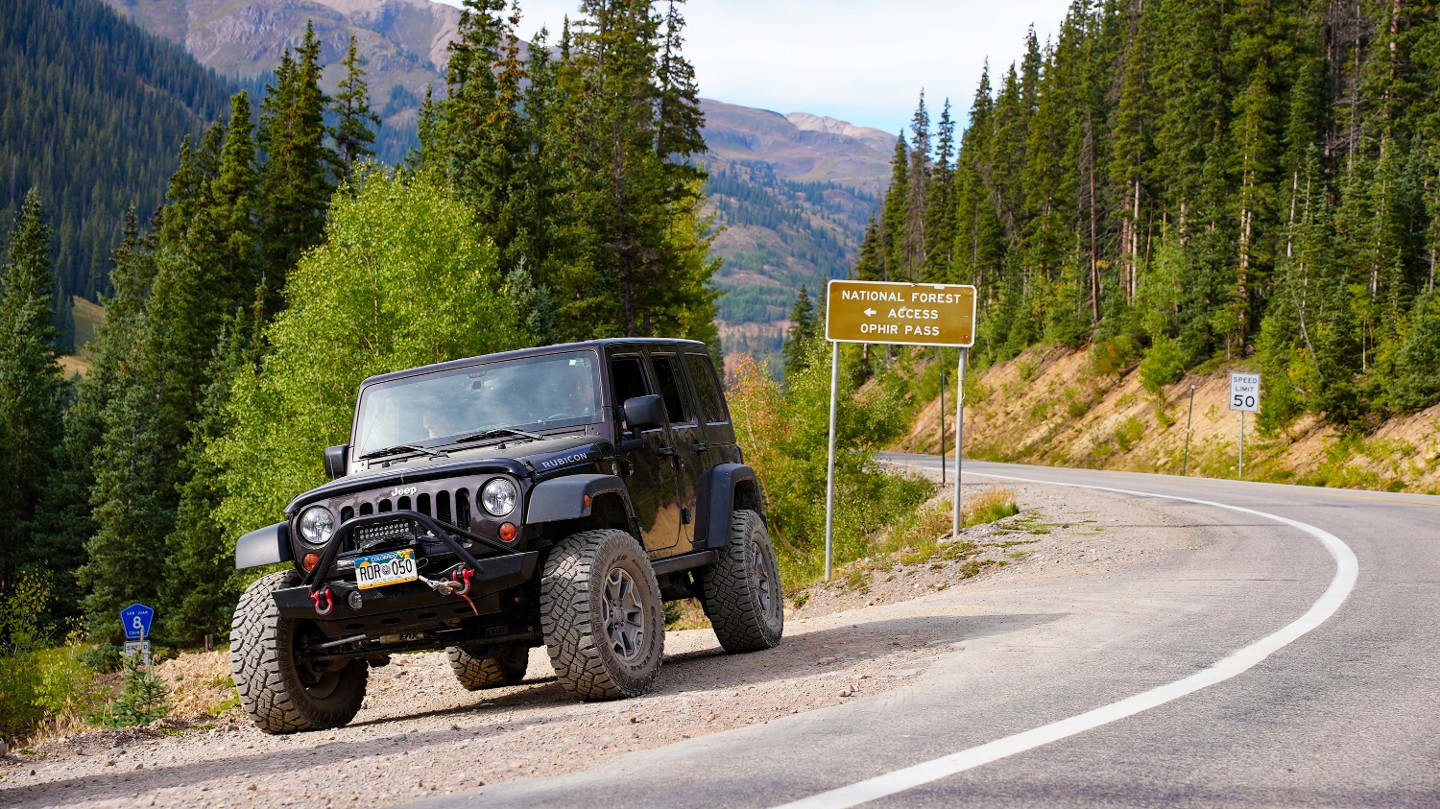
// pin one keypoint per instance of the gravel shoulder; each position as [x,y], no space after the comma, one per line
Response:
[419,734]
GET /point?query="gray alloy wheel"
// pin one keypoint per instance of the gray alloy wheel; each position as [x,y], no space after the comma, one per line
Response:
[602,616]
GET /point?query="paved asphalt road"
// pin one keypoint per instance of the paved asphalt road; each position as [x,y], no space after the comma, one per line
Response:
[1345,714]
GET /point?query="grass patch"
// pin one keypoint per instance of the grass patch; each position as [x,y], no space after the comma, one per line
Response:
[923,537]
[1041,409]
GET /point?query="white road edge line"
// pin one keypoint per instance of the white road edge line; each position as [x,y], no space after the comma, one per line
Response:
[1347,568]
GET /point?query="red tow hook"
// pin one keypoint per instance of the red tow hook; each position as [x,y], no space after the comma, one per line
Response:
[462,580]
[323,595]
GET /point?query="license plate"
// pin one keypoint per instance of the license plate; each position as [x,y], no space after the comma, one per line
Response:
[385,568]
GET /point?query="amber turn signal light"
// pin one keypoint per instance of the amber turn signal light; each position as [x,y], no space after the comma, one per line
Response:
[508,531]
[311,560]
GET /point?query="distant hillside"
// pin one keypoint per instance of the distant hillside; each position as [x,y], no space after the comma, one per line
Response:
[92,112]
[791,196]
[405,43]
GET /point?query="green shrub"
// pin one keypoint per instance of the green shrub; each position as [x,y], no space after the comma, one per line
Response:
[22,636]
[785,435]
[1128,433]
[68,686]
[1112,357]
[1164,418]
[1164,364]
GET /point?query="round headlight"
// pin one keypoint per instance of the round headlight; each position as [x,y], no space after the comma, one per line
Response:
[317,525]
[498,497]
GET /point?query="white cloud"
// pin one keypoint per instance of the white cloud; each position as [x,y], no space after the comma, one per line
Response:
[857,60]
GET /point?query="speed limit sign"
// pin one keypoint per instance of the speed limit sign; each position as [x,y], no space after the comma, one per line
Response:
[1245,392]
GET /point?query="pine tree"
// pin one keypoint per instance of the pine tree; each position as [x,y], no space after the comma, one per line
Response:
[893,214]
[801,335]
[352,132]
[917,193]
[295,184]
[31,391]
[939,217]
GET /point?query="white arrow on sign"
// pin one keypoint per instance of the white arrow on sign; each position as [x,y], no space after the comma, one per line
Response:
[869,312]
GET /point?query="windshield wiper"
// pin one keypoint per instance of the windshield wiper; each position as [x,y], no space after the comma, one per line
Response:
[495,433]
[399,448]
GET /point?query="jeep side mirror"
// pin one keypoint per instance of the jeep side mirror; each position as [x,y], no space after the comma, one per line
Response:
[643,412]
[336,459]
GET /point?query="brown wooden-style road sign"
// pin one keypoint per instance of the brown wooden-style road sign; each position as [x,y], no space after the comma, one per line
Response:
[900,313]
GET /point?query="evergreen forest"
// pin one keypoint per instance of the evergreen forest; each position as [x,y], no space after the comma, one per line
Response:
[548,200]
[1182,181]
[91,112]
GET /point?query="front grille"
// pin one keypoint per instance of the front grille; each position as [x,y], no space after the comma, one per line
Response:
[442,500]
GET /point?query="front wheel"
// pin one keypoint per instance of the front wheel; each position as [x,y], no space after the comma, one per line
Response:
[742,588]
[601,614]
[282,688]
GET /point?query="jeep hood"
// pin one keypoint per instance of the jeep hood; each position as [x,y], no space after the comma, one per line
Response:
[521,459]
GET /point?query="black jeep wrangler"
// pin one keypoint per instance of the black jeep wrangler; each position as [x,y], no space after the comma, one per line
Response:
[485,506]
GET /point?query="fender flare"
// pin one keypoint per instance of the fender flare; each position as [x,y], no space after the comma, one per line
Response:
[717,501]
[569,497]
[263,546]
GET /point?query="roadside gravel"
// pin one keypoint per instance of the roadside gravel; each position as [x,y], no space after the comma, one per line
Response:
[419,734]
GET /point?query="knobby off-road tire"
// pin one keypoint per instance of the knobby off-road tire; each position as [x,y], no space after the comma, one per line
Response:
[281,694]
[601,615]
[742,588]
[474,673]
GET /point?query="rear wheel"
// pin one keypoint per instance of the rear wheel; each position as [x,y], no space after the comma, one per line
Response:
[742,588]
[506,666]
[281,686]
[601,614]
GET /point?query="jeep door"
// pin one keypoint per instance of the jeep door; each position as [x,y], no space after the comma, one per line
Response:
[648,460]
[687,444]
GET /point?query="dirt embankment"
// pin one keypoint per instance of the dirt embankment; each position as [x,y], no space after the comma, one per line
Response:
[1052,406]
[875,627]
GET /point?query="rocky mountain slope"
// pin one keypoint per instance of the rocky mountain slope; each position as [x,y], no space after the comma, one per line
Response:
[1083,409]
[405,41]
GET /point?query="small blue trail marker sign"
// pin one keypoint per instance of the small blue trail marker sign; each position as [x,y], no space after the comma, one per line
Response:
[136,619]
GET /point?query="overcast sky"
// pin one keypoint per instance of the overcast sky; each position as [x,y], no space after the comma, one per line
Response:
[861,61]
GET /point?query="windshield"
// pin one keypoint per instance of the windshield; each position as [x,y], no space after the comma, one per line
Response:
[535,393]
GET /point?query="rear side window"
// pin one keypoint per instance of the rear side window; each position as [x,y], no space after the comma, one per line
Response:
[702,373]
[627,379]
[676,405]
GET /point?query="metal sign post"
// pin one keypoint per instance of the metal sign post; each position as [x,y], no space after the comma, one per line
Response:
[942,428]
[1244,397]
[959,433]
[830,469]
[889,313]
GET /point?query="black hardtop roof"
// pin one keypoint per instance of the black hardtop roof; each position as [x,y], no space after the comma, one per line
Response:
[599,345]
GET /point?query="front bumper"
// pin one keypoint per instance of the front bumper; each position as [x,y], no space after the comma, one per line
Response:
[408,606]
